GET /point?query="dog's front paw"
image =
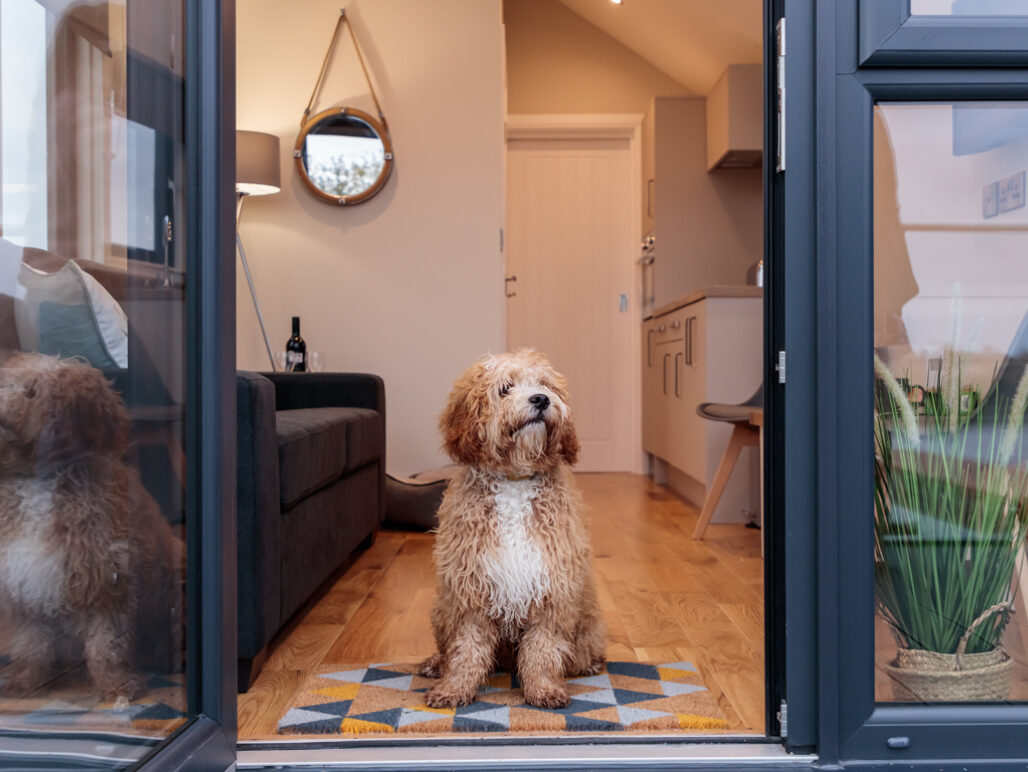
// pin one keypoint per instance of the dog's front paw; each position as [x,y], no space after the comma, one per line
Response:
[431,667]
[547,697]
[121,687]
[446,696]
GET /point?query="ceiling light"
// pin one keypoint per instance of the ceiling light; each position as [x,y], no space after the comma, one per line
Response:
[617,2]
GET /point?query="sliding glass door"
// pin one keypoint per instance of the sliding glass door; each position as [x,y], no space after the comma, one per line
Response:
[116,409]
[912,363]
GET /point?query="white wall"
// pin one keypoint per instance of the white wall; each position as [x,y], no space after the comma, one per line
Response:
[410,284]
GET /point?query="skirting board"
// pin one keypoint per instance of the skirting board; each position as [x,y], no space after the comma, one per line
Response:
[694,492]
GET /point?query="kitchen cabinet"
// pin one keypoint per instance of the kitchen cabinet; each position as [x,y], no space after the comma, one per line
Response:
[707,226]
[706,347]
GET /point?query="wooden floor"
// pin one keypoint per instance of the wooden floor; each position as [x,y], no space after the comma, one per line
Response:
[664,596]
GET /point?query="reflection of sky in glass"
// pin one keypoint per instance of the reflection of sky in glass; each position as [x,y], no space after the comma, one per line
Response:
[23,112]
[969,7]
[341,165]
[929,219]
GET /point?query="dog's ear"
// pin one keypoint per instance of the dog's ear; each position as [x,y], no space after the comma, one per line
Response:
[461,419]
[83,415]
[567,441]
[568,445]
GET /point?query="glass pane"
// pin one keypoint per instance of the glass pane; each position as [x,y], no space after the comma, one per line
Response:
[92,380]
[951,348]
[969,7]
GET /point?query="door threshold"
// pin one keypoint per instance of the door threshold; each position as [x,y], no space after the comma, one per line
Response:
[592,753]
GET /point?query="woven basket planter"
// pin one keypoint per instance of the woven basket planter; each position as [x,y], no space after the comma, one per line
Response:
[929,676]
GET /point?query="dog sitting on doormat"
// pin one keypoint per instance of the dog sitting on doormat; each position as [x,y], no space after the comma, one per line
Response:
[89,569]
[512,552]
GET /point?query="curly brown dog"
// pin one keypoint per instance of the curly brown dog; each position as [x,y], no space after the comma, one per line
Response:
[88,567]
[512,552]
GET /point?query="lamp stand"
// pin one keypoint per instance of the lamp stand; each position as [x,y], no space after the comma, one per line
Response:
[249,280]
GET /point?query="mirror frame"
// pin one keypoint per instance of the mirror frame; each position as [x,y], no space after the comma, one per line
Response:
[379,182]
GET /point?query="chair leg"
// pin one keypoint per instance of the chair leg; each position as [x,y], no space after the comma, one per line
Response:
[742,436]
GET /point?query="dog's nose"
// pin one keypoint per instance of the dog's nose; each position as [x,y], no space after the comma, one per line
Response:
[541,401]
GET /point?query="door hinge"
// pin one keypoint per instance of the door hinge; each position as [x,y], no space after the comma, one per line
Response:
[780,94]
[783,720]
[780,367]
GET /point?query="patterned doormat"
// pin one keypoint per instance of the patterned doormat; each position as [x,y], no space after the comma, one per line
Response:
[388,698]
[75,706]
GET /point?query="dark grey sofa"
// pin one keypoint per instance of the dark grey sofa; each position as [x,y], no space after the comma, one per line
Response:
[311,489]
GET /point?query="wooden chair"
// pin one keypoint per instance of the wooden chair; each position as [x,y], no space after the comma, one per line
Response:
[748,419]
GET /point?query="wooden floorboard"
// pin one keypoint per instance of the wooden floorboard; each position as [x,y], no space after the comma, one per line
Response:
[664,596]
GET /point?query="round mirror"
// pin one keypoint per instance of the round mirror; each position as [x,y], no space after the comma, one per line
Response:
[343,155]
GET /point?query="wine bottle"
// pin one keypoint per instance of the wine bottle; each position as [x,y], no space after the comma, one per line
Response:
[296,350]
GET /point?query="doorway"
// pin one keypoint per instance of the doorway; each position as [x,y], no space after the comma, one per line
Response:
[569,233]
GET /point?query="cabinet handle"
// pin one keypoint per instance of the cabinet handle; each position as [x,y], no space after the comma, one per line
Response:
[663,379]
[676,324]
[649,347]
[677,354]
[689,327]
[661,328]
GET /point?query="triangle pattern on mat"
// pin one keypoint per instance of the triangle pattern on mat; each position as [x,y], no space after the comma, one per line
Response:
[586,724]
[353,676]
[472,724]
[389,717]
[411,716]
[401,682]
[377,674]
[627,696]
[630,715]
[298,716]
[676,688]
[634,669]
[600,696]
[602,680]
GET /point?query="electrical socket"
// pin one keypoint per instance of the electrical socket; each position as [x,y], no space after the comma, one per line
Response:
[1011,192]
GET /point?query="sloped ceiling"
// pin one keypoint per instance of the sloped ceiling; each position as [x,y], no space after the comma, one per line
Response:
[690,40]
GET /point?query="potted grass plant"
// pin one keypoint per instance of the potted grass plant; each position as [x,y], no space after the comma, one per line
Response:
[950,526]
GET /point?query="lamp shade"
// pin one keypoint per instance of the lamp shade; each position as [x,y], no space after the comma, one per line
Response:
[257,166]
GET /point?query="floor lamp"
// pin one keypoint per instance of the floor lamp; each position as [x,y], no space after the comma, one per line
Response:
[257,174]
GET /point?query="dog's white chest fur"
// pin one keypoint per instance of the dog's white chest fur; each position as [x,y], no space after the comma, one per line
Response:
[515,567]
[30,568]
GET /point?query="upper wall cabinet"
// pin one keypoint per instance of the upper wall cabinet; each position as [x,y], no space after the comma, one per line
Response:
[735,119]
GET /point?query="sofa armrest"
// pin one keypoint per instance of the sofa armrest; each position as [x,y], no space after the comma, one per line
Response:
[305,390]
[259,523]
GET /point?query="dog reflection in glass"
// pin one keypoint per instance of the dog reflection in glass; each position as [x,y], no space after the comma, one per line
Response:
[89,569]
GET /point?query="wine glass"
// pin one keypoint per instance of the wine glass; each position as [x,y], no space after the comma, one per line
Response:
[314,363]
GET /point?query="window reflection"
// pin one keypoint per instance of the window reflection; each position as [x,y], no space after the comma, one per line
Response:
[951,349]
[92,376]
[968,8]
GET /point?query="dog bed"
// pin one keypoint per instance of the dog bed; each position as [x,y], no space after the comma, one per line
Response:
[412,502]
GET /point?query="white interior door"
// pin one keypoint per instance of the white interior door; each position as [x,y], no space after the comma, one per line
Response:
[570,245]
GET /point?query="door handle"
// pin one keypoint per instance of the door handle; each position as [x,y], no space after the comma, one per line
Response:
[506,285]
[649,347]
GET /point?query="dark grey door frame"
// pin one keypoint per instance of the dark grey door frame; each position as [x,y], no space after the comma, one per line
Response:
[828,395]
[209,742]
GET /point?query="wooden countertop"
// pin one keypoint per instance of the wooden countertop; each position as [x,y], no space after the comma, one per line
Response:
[715,291]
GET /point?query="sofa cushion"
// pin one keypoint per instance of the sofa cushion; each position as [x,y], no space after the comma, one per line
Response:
[318,445]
